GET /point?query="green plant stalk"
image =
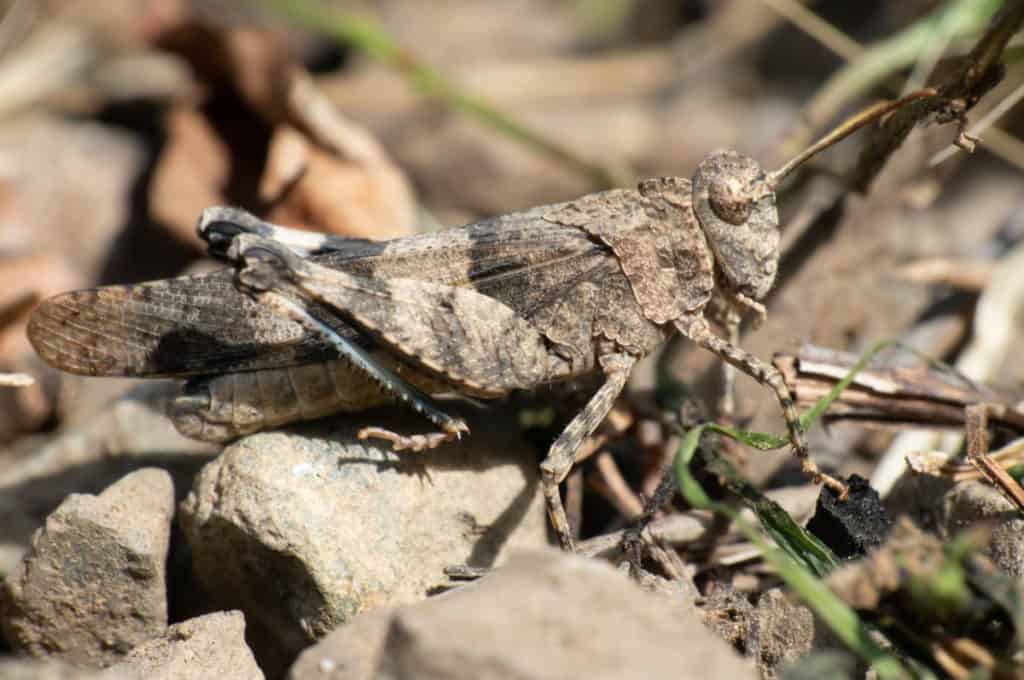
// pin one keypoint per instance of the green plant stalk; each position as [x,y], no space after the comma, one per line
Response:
[368,37]
[801,545]
[843,621]
[768,442]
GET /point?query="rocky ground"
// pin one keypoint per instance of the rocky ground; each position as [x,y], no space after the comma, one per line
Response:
[130,551]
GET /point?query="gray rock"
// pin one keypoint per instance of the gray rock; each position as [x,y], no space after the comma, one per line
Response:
[781,632]
[92,585]
[350,652]
[975,501]
[211,646]
[304,531]
[129,425]
[729,613]
[130,431]
[543,615]
[51,669]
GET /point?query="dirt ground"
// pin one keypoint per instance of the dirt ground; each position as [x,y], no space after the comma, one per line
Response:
[128,549]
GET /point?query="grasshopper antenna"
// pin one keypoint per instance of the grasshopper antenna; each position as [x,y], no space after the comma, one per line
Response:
[845,129]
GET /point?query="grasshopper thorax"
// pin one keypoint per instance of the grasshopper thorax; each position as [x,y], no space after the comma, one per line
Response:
[735,205]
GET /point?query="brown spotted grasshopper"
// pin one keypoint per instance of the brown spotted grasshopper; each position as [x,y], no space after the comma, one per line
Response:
[307,325]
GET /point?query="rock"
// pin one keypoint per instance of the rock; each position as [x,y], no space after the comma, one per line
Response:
[349,652]
[211,646]
[92,584]
[729,613]
[781,632]
[51,669]
[543,615]
[304,529]
[131,425]
[16,529]
[976,501]
[129,433]
[854,526]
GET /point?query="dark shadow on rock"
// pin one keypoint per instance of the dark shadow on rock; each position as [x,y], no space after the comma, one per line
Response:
[36,498]
[496,534]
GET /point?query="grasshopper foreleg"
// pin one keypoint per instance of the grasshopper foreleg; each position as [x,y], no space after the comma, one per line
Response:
[696,329]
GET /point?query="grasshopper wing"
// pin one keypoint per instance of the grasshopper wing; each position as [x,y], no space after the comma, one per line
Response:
[190,325]
[203,325]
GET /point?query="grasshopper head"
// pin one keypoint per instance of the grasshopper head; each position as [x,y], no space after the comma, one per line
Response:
[736,207]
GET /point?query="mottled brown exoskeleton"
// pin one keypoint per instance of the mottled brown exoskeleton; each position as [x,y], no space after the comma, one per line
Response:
[308,325]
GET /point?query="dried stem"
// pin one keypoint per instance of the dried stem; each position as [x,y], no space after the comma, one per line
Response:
[845,129]
[891,392]
[880,61]
[956,95]
[616,489]
[986,122]
[977,416]
[816,27]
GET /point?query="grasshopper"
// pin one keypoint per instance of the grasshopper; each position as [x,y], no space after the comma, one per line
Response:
[305,325]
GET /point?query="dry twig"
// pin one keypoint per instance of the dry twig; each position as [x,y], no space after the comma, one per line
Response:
[16,380]
[955,96]
[890,392]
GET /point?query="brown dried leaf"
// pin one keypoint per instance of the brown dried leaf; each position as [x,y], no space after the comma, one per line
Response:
[320,171]
[287,161]
[189,175]
[342,180]
[339,197]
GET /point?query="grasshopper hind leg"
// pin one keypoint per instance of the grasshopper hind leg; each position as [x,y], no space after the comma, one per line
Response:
[472,341]
[451,427]
[220,225]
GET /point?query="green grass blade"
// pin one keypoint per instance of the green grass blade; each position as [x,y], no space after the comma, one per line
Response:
[802,558]
[840,618]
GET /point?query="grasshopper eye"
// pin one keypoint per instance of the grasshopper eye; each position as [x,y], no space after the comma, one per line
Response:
[736,210]
[730,199]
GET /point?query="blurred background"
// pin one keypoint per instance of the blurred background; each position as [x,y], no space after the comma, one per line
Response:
[120,121]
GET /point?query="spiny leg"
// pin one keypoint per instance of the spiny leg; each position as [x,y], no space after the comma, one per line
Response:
[414,442]
[727,402]
[562,454]
[731,320]
[729,314]
[451,428]
[262,285]
[473,342]
[696,329]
